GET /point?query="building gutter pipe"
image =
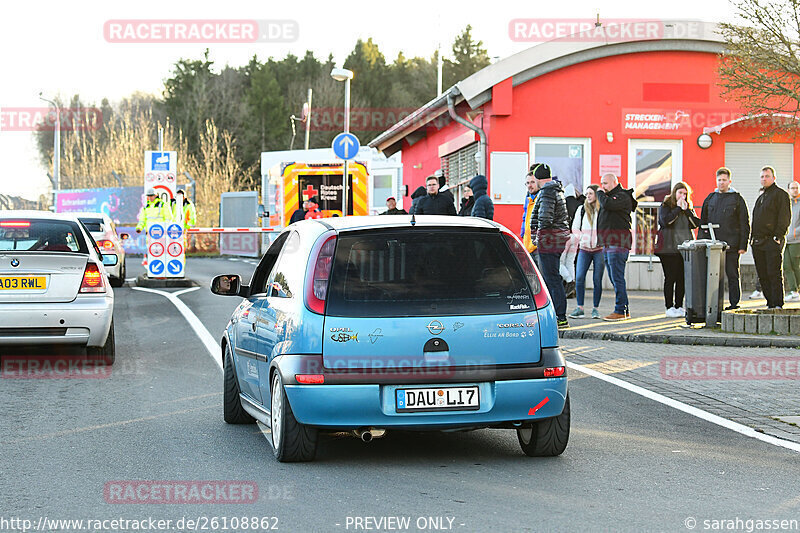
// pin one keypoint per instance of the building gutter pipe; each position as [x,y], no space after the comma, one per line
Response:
[451,107]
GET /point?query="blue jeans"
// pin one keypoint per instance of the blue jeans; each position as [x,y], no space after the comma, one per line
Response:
[584,260]
[615,259]
[549,264]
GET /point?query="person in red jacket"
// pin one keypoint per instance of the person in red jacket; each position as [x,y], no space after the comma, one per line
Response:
[313,209]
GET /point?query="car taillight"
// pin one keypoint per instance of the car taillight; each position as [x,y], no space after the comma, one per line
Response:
[554,372]
[317,288]
[92,279]
[541,298]
[105,244]
[310,379]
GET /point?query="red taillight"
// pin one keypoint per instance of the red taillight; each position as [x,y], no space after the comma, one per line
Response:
[92,279]
[317,288]
[554,372]
[105,244]
[15,224]
[540,295]
[310,379]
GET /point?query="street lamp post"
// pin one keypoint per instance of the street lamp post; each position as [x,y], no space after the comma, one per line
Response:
[56,150]
[342,74]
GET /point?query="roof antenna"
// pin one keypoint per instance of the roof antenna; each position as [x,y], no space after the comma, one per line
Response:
[598,23]
[413,220]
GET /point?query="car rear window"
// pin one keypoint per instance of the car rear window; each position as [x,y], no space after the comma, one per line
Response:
[425,273]
[41,236]
[93,224]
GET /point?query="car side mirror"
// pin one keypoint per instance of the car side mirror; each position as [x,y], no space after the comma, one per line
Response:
[124,236]
[110,259]
[229,285]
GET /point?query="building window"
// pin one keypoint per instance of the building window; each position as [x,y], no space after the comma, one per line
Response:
[568,157]
[653,167]
[460,166]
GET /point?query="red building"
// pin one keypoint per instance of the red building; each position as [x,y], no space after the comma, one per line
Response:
[650,111]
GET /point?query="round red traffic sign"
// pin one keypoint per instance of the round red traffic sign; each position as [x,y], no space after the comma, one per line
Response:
[175,249]
[156,249]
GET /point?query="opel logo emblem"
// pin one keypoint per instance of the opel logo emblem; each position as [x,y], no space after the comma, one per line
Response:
[435,327]
[15,262]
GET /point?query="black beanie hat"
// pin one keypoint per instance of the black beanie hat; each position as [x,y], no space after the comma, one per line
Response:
[541,171]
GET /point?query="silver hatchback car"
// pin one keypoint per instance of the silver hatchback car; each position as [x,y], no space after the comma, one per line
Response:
[53,288]
[104,232]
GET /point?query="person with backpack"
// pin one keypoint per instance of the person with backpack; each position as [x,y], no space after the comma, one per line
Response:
[676,220]
[726,207]
[590,253]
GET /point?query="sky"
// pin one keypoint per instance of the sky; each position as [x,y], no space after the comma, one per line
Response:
[60,48]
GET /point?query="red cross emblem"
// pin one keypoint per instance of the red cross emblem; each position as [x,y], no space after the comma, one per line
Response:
[309,192]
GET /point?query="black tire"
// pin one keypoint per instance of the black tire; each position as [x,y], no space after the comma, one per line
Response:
[548,437]
[291,441]
[120,281]
[234,413]
[107,353]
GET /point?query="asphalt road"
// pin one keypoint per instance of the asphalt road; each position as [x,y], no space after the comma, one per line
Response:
[631,465]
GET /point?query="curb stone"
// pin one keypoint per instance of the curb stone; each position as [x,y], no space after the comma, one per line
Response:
[654,338]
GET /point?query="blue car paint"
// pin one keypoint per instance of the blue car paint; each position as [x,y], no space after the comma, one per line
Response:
[354,406]
[298,330]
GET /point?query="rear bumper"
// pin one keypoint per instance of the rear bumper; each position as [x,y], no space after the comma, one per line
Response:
[355,406]
[84,321]
[354,399]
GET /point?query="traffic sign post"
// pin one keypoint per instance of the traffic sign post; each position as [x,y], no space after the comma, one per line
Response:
[156,244]
[160,172]
[175,258]
[345,147]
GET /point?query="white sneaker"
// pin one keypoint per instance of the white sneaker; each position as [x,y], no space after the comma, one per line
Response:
[680,312]
[792,297]
[756,295]
[670,313]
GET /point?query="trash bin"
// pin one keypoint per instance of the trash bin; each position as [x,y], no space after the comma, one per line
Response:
[698,255]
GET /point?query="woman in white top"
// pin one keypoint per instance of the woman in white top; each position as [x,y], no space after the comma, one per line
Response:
[584,236]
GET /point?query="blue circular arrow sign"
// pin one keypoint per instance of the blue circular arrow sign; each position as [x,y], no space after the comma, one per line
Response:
[346,146]
[157,267]
[174,266]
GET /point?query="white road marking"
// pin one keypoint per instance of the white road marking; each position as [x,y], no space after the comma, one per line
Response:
[233,259]
[208,340]
[688,409]
[130,279]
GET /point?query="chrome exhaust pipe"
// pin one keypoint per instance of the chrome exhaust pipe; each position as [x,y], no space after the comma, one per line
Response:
[367,434]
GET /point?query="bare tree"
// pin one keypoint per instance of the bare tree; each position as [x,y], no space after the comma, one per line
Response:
[761,68]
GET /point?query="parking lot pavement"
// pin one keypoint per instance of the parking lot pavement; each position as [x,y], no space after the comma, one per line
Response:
[756,387]
[649,324]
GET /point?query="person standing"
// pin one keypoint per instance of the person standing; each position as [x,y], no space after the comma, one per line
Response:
[614,233]
[791,258]
[676,220]
[299,213]
[527,212]
[590,253]
[183,210]
[772,214]
[483,206]
[467,203]
[154,210]
[726,207]
[416,196]
[550,229]
[435,203]
[313,209]
[391,207]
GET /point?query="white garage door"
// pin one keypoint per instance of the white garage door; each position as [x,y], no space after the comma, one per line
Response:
[746,160]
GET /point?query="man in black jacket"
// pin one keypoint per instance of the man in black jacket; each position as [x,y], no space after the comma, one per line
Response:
[614,233]
[435,203]
[550,232]
[727,208]
[482,206]
[391,204]
[772,214]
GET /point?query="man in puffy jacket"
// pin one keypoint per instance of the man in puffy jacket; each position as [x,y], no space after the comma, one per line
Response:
[435,203]
[483,206]
[726,207]
[527,213]
[614,233]
[550,230]
[772,214]
[416,196]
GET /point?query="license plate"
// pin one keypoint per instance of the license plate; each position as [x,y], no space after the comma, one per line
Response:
[438,399]
[23,283]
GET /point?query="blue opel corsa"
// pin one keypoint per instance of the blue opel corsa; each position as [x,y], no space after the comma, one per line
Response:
[367,324]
